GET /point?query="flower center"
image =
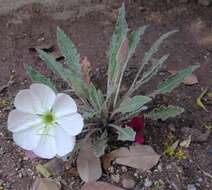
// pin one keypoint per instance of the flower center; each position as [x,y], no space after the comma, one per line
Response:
[49,118]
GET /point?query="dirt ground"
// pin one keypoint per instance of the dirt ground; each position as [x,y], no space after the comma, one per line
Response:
[33,25]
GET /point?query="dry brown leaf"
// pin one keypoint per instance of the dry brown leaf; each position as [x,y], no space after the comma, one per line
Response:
[85,66]
[88,165]
[99,186]
[190,80]
[122,52]
[141,157]
[55,166]
[45,184]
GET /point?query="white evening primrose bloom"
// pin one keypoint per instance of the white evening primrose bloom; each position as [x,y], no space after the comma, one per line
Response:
[44,122]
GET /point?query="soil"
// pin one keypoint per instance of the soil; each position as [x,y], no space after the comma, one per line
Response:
[31,26]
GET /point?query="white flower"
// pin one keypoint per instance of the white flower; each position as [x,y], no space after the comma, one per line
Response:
[44,122]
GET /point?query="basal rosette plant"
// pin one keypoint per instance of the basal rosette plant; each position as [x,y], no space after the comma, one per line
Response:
[104,112]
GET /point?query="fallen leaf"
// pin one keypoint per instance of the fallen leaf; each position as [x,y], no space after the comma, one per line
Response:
[45,184]
[196,135]
[56,55]
[99,186]
[137,156]
[199,99]
[85,66]
[88,165]
[55,166]
[190,80]
[42,170]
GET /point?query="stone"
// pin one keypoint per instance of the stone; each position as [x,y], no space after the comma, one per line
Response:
[128,183]
[191,187]
[147,182]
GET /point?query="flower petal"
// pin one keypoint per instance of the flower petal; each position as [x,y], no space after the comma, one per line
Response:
[47,147]
[45,94]
[27,139]
[136,123]
[72,123]
[64,105]
[18,120]
[139,138]
[26,101]
[64,142]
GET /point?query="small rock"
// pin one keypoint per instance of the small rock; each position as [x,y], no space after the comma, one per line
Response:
[147,182]
[191,187]
[200,179]
[115,178]
[204,2]
[124,169]
[111,169]
[128,183]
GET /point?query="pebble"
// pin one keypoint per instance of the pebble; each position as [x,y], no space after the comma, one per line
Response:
[111,169]
[147,182]
[200,179]
[124,169]
[191,187]
[128,183]
[115,178]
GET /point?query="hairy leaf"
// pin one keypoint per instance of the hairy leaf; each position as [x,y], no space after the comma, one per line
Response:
[165,112]
[126,134]
[148,55]
[152,71]
[68,49]
[95,97]
[99,144]
[132,104]
[36,76]
[173,81]
[118,37]
[135,39]
[53,65]
[133,42]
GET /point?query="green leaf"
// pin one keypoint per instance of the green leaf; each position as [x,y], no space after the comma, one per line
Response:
[99,144]
[173,81]
[135,39]
[148,55]
[95,97]
[125,134]
[36,76]
[53,65]
[68,49]
[118,37]
[133,104]
[147,75]
[165,112]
